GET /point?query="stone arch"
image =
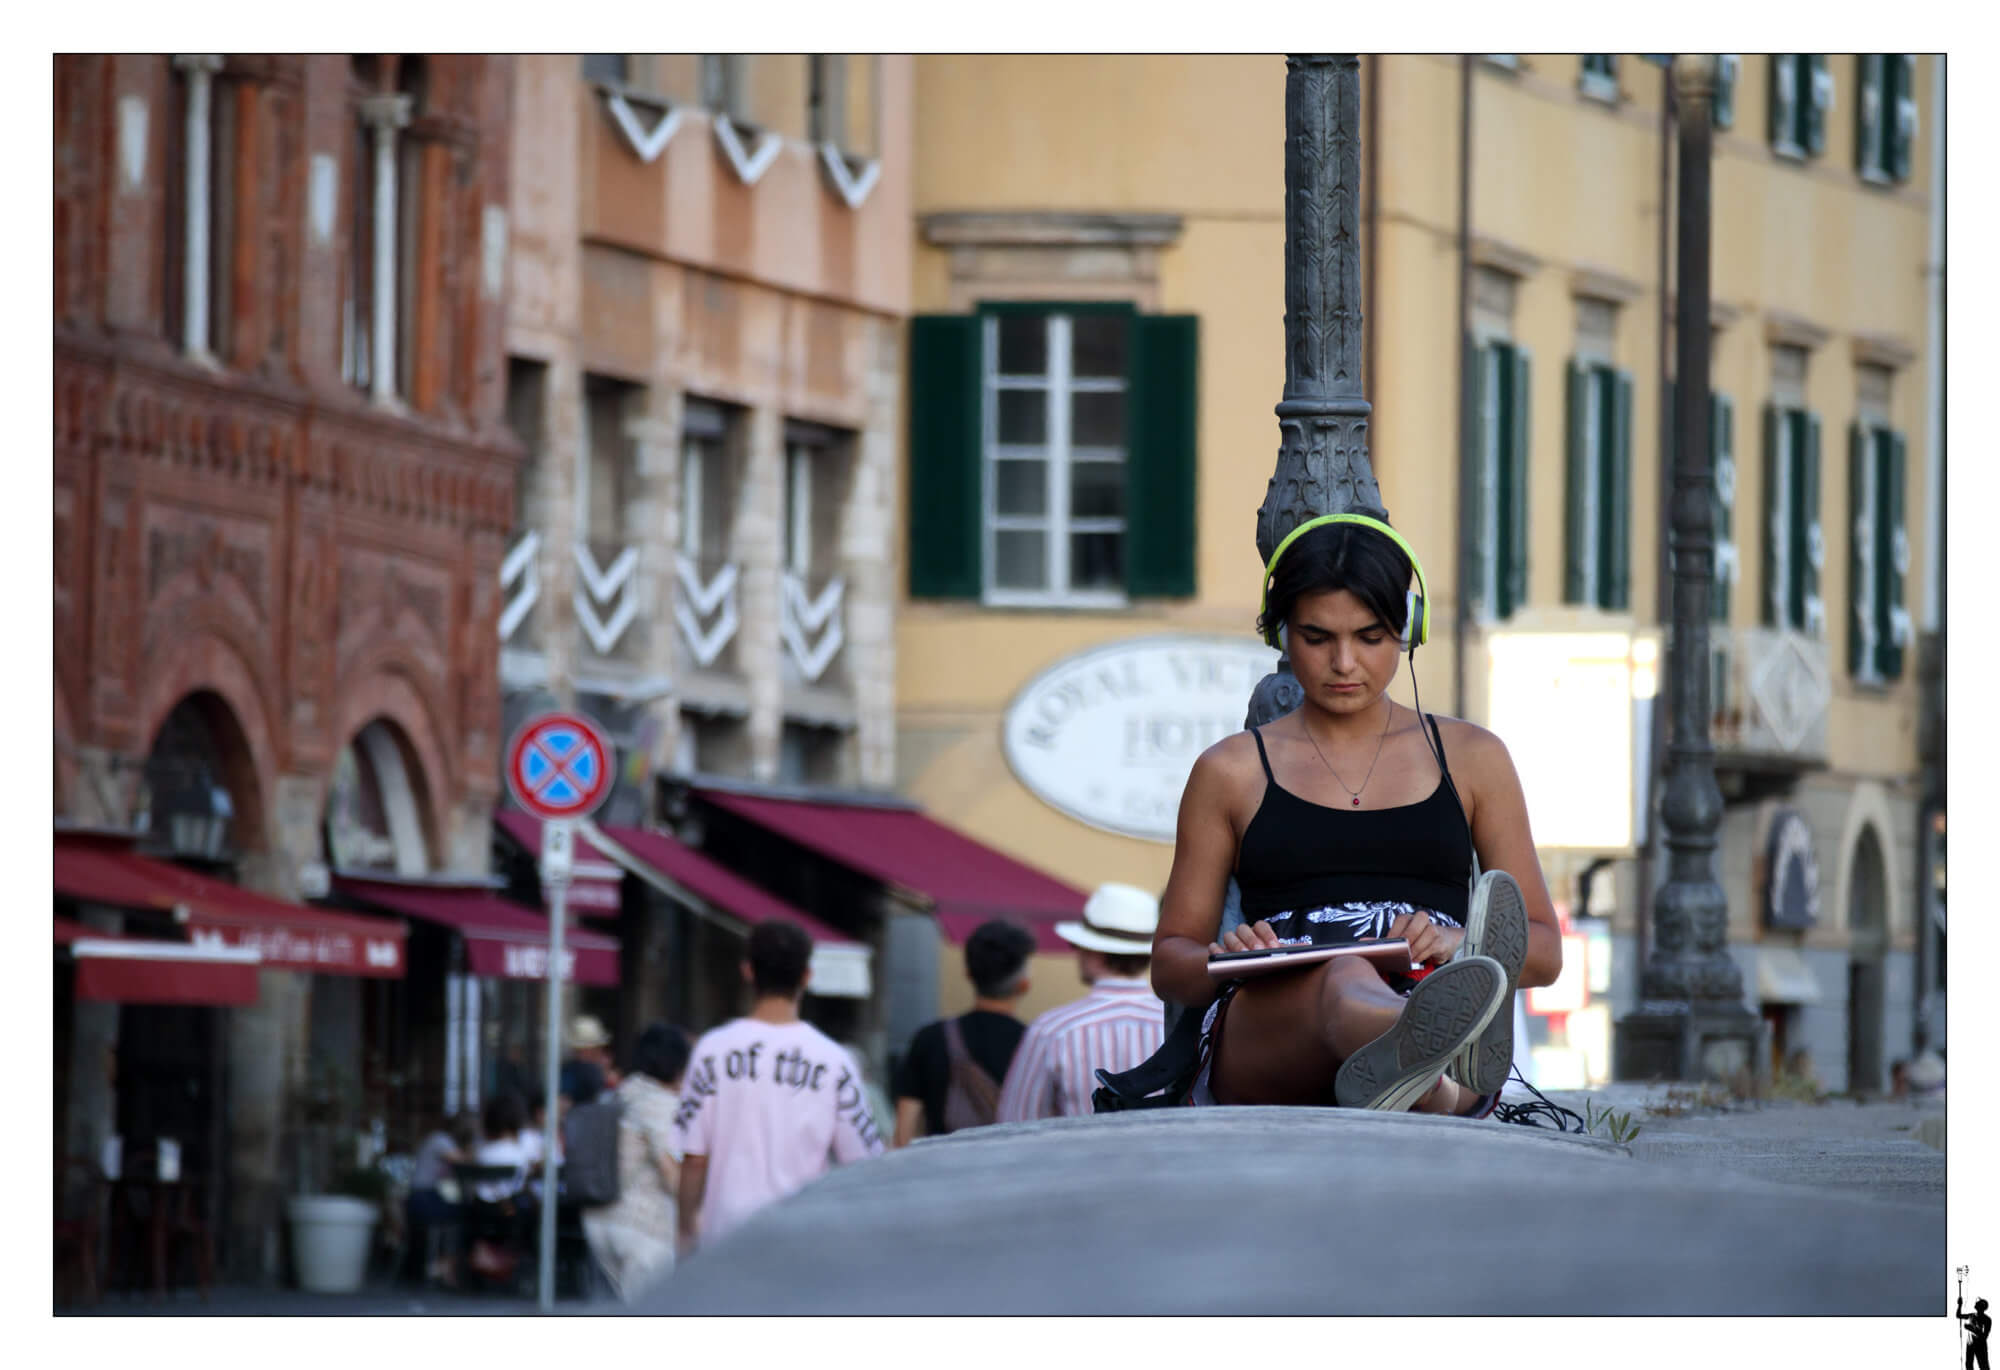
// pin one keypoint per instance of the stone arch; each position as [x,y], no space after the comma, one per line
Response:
[378,809]
[1866,901]
[1868,807]
[387,694]
[206,665]
[1865,880]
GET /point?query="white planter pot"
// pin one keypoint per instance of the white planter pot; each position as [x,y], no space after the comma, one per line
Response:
[331,1238]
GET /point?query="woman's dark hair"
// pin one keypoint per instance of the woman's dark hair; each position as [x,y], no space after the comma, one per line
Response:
[995,954]
[504,1116]
[662,1052]
[779,954]
[1341,556]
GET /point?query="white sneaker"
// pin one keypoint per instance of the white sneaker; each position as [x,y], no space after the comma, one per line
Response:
[1496,925]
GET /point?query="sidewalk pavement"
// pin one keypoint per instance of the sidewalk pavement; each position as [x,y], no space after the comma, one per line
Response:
[1715,1207]
[1781,1209]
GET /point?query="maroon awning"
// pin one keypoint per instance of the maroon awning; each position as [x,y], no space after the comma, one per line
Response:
[502,939]
[286,936]
[721,887]
[113,969]
[594,881]
[966,881]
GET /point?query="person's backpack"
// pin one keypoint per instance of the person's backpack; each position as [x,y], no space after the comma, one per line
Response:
[971,1098]
[590,1152]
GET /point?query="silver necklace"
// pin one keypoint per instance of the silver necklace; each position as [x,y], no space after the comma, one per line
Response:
[1355,795]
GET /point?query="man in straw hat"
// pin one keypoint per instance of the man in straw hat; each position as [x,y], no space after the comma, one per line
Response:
[588,1071]
[1114,1027]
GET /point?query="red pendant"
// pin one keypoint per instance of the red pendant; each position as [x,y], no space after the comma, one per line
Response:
[1357,801]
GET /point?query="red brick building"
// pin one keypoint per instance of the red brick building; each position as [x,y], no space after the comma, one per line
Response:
[282,487]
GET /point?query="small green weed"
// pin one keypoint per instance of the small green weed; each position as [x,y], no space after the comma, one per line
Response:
[1619,1127]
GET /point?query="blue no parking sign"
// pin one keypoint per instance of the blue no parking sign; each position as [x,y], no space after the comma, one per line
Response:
[559,766]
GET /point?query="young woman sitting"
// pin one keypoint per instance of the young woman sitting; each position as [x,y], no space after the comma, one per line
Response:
[1345,820]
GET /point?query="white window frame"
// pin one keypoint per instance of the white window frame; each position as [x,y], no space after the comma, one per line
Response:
[1598,375]
[693,451]
[1778,522]
[1057,456]
[798,507]
[1598,85]
[1863,533]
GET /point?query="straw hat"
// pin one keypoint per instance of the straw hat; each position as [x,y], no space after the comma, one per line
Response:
[1119,919]
[585,1033]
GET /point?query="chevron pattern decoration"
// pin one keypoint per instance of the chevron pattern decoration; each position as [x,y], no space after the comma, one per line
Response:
[697,601]
[802,618]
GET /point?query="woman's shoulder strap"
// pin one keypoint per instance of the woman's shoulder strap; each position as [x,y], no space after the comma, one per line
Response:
[1263,755]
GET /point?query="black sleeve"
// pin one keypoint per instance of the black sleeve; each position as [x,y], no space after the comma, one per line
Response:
[920,1065]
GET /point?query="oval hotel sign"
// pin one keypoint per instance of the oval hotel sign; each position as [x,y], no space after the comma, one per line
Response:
[1108,736]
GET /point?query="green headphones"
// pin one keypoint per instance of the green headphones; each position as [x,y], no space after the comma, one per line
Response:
[1417,616]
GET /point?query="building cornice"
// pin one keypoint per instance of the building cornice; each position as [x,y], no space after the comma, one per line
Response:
[1048,228]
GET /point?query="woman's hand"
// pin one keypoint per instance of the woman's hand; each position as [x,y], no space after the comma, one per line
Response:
[1431,944]
[1248,937]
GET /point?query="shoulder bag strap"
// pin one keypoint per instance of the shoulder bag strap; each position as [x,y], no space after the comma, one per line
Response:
[968,1073]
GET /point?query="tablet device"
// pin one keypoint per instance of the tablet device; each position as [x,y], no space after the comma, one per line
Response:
[1390,955]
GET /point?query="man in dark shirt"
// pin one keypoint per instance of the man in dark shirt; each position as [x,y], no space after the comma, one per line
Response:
[996,961]
[1977,1325]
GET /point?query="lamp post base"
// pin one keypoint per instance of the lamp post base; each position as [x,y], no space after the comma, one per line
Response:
[1699,1042]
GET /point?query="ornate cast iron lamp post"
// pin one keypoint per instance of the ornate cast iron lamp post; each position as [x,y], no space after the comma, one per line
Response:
[1691,1022]
[1323,463]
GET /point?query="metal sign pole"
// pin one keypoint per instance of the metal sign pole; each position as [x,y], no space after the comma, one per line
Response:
[556,836]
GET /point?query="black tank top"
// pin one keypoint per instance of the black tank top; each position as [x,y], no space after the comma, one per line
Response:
[1298,855]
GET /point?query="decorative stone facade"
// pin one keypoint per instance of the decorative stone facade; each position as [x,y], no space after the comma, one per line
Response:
[235,513]
[766,295]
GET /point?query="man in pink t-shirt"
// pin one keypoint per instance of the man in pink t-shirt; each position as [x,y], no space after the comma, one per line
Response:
[767,1099]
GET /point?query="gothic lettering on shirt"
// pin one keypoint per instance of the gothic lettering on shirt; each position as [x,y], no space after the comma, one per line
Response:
[791,1069]
[851,1105]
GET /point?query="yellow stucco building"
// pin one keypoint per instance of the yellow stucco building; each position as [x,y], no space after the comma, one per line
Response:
[1092,231]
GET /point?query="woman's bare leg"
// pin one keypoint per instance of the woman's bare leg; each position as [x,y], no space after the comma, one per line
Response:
[1286,1035]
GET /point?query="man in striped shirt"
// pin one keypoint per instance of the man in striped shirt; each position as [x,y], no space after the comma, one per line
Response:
[1114,1027]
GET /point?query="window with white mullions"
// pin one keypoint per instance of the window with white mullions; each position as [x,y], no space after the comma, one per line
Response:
[1598,77]
[1801,99]
[1885,115]
[1055,440]
[1794,547]
[1879,628]
[1597,554]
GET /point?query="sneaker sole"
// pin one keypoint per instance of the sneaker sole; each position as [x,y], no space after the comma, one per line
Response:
[1447,1009]
[1497,926]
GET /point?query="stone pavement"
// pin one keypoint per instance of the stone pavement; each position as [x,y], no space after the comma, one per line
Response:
[1781,1208]
[1778,1210]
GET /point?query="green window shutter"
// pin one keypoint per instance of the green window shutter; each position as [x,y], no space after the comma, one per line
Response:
[1860,542]
[1784,97]
[946,529]
[1902,112]
[1818,99]
[1868,112]
[1472,538]
[1514,566]
[1722,480]
[1725,89]
[1576,494]
[1892,562]
[1809,550]
[1775,524]
[1160,463]
[1615,497]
